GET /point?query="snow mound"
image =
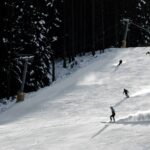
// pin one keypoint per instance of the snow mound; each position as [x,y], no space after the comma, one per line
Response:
[140,116]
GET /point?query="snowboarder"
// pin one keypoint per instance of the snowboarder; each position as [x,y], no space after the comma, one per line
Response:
[126,93]
[112,117]
[120,62]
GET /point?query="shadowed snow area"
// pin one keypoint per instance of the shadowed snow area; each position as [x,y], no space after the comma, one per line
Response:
[73,113]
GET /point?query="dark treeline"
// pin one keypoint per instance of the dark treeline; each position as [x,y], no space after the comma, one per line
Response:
[50,29]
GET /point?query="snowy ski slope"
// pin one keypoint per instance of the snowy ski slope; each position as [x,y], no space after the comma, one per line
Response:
[68,115]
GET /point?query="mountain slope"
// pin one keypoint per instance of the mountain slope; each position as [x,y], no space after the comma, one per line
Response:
[68,115]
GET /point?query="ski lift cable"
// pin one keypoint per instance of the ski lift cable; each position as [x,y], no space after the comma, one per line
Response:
[140,27]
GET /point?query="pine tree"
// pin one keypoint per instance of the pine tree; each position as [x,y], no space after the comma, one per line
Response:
[29,27]
[143,21]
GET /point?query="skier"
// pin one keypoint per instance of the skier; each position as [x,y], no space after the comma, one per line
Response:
[120,62]
[126,93]
[113,114]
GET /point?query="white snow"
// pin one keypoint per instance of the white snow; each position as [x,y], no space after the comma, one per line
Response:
[136,118]
[68,115]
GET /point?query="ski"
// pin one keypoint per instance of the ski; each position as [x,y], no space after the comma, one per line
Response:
[107,122]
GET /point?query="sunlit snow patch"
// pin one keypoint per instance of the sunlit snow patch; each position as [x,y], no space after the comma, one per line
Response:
[93,79]
[89,79]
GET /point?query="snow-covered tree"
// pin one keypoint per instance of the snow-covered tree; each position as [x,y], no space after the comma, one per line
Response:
[143,21]
[29,27]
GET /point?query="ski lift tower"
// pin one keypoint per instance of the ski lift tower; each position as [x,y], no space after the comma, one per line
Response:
[124,42]
[26,58]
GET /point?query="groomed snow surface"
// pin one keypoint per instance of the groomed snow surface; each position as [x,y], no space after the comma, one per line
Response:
[70,114]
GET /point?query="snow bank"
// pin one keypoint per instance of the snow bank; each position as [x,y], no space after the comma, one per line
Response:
[140,116]
[6,104]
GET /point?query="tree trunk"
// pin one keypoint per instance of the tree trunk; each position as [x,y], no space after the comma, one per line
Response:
[93,27]
[53,68]
[64,50]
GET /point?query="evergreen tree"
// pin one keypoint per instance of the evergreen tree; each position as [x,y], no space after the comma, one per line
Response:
[29,27]
[143,20]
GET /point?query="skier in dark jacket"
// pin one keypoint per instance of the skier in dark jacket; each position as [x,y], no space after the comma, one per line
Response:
[126,93]
[120,62]
[112,117]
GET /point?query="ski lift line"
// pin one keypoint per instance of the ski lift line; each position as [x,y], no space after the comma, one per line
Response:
[140,27]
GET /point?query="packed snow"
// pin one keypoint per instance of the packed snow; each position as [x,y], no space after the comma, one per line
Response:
[73,113]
